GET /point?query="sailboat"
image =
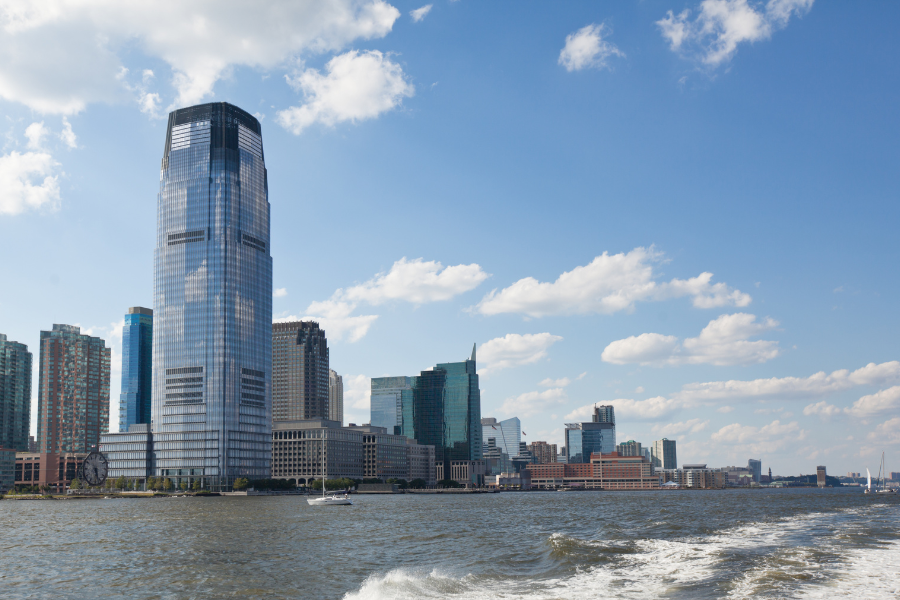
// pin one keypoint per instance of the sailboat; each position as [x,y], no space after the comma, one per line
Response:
[868,489]
[334,499]
[883,489]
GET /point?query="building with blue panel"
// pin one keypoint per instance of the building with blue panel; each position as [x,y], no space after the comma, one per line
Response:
[137,368]
[15,395]
[212,312]
[597,436]
[507,434]
[387,398]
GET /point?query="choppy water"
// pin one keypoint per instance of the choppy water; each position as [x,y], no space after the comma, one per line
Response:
[728,544]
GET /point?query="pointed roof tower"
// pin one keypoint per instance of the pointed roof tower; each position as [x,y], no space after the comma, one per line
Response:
[473,352]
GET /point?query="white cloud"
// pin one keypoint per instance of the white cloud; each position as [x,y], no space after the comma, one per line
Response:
[587,48]
[419,13]
[357,390]
[532,403]
[28,182]
[887,432]
[515,349]
[609,284]
[792,387]
[280,293]
[766,439]
[58,56]
[680,428]
[722,342]
[651,409]
[721,25]
[36,132]
[357,86]
[67,135]
[884,401]
[822,409]
[563,382]
[416,281]
[725,409]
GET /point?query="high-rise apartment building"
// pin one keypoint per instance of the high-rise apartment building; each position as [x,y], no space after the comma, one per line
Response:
[137,368]
[630,448]
[507,433]
[542,453]
[755,466]
[73,391]
[15,395]
[663,454]
[300,372]
[388,396]
[335,397]
[604,414]
[212,334]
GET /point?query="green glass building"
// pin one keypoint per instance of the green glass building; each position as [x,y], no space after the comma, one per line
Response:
[15,395]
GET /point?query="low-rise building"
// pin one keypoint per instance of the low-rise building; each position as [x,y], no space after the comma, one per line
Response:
[297,448]
[469,473]
[129,454]
[385,455]
[420,458]
[509,480]
[52,469]
[7,469]
[609,471]
[694,476]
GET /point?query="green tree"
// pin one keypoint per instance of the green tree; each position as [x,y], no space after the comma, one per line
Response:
[168,485]
[120,483]
[196,485]
[449,483]
[241,484]
[75,485]
[183,485]
[418,484]
[372,480]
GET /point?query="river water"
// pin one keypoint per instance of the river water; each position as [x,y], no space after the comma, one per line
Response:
[799,543]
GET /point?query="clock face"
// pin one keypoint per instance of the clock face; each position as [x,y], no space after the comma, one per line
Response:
[94,469]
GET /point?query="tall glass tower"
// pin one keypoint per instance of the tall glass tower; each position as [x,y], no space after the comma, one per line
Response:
[15,394]
[137,371]
[212,339]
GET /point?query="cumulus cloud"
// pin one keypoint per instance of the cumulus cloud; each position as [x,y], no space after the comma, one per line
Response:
[515,349]
[722,342]
[532,403]
[67,135]
[651,409]
[822,409]
[609,284]
[587,48]
[562,382]
[680,428]
[416,281]
[28,181]
[792,387]
[887,432]
[58,56]
[280,293]
[356,87]
[419,13]
[36,132]
[720,26]
[766,439]
[357,391]
[879,403]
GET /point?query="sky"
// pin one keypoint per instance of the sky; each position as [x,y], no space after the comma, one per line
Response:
[686,209]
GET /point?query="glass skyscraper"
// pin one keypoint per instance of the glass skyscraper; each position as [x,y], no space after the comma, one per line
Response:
[388,396]
[137,368]
[212,338]
[598,436]
[507,434]
[15,395]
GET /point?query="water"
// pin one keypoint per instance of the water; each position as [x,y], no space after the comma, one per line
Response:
[725,544]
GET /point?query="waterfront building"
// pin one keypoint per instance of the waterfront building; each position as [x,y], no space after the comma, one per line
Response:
[54,470]
[467,472]
[738,476]
[73,391]
[521,480]
[821,476]
[137,368]
[663,453]
[130,454]
[388,397]
[300,380]
[630,448]
[15,394]
[385,455]
[609,471]
[507,433]
[495,459]
[297,448]
[755,468]
[561,457]
[694,476]
[212,338]
[335,397]
[7,469]
[420,458]
[542,452]
[584,439]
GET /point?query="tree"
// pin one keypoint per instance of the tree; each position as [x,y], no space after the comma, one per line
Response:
[183,485]
[75,485]
[372,480]
[241,484]
[120,483]
[167,485]
[418,484]
[196,485]
[449,483]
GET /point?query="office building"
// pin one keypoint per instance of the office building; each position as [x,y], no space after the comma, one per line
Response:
[15,394]
[507,433]
[608,471]
[130,454]
[542,452]
[387,398]
[300,372]
[630,448]
[755,468]
[694,476]
[7,469]
[495,459]
[212,330]
[297,448]
[385,456]
[597,436]
[821,476]
[54,470]
[73,391]
[335,397]
[137,368]
[32,444]
[420,458]
[663,453]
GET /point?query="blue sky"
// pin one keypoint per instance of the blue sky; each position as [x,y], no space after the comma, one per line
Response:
[690,215]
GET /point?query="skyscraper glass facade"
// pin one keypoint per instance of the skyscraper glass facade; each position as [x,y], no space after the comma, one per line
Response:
[664,455]
[508,434]
[387,399]
[584,439]
[15,395]
[335,397]
[137,368]
[73,391]
[212,346]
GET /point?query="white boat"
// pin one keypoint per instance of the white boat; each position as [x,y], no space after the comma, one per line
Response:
[868,482]
[883,489]
[333,499]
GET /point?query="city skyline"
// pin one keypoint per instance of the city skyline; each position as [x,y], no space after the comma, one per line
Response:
[690,231]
